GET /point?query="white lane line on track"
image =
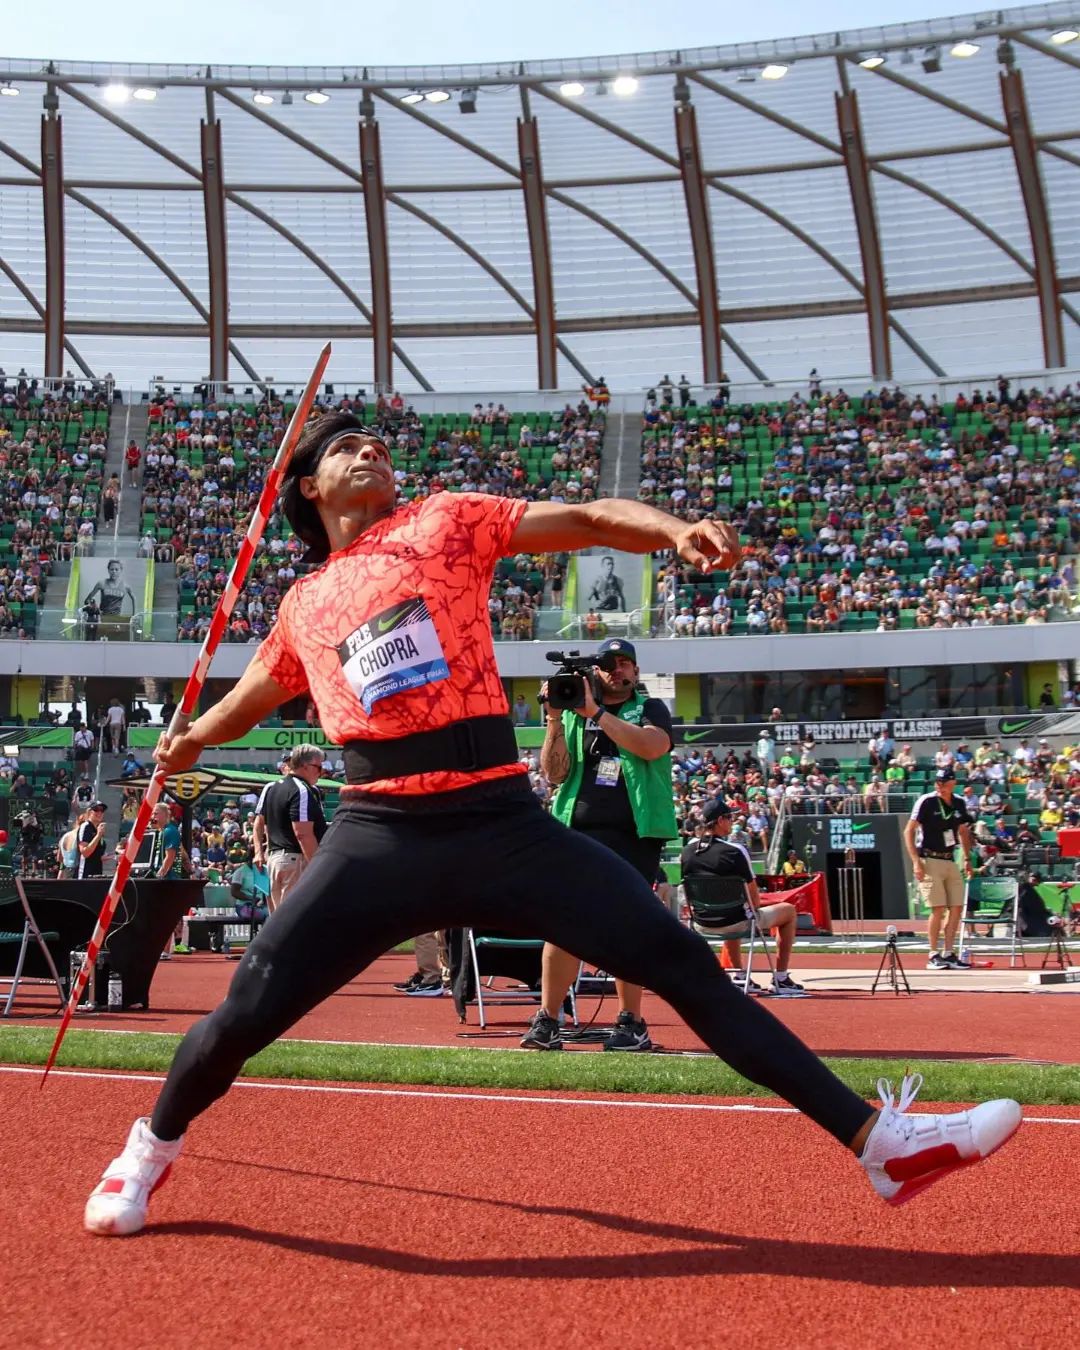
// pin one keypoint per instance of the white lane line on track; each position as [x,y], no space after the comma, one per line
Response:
[330,1089]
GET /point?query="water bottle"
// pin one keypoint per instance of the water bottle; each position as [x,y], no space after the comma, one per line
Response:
[116,992]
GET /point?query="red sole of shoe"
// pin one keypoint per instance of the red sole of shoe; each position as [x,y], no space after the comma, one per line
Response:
[911,1189]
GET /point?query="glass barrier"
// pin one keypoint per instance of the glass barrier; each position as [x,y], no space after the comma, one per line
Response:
[542,625]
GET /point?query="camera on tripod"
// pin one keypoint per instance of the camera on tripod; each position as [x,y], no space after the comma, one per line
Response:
[566,688]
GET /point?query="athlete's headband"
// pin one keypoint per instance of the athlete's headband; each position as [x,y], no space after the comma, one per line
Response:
[301,513]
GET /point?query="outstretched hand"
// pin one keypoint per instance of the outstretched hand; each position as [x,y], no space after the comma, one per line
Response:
[180,753]
[709,545]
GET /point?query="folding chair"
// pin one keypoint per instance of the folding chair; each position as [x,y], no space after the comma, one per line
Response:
[30,930]
[994,901]
[720,907]
[484,949]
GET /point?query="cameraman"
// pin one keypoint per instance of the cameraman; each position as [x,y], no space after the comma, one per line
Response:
[611,760]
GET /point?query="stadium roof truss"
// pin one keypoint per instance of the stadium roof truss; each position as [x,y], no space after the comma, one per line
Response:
[889,208]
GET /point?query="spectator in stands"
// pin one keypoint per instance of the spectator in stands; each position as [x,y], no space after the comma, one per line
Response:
[793,866]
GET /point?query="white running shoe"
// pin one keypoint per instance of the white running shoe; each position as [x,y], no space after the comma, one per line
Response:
[118,1204]
[906,1153]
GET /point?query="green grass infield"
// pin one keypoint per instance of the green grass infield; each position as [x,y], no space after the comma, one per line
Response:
[569,1071]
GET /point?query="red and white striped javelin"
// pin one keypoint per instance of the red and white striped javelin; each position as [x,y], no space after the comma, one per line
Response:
[181,718]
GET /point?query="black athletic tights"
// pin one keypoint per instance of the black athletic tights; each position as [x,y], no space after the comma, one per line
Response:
[486,858]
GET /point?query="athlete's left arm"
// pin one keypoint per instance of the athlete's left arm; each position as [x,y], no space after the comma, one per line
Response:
[633,527]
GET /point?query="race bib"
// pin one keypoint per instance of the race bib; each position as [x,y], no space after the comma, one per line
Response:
[394,650]
[608,771]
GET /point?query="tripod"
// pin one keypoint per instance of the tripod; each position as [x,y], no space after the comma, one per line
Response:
[1056,947]
[891,969]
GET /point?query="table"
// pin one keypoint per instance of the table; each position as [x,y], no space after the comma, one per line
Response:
[145,917]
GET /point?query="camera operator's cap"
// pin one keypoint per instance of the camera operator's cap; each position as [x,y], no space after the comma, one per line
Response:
[620,646]
[717,809]
[945,776]
[98,806]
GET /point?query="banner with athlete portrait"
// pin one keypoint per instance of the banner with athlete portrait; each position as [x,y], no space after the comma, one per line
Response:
[609,583]
[115,587]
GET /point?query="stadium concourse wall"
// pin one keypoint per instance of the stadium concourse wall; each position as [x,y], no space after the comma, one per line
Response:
[1032,643]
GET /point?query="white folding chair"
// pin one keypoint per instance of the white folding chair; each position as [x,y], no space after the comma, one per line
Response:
[30,931]
[994,901]
[720,908]
[488,944]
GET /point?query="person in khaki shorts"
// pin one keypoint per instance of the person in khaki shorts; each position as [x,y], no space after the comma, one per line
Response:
[940,824]
[294,818]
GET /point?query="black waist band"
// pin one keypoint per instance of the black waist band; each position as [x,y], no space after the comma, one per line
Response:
[935,853]
[477,743]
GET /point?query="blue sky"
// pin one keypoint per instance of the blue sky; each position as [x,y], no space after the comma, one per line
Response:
[397,32]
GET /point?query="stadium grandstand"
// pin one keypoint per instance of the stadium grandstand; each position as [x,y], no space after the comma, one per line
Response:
[819,287]
[821,293]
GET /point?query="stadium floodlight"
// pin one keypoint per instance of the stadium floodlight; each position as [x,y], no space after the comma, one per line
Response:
[872,61]
[414,97]
[437,95]
[572,89]
[8,91]
[286,99]
[1064,35]
[116,93]
[931,60]
[624,85]
[467,101]
[144,94]
[316,96]
[775,70]
[964,48]
[261,98]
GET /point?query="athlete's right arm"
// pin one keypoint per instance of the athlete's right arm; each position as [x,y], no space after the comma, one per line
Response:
[253,697]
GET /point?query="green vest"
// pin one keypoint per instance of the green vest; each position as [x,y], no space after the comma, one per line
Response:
[648,782]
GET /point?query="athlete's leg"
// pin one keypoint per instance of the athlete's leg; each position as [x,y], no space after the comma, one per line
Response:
[370,886]
[561,885]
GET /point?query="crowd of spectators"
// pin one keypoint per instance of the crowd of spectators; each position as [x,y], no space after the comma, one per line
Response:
[53,443]
[1019,798]
[887,510]
[203,466]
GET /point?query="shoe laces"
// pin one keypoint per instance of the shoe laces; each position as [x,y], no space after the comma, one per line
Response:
[892,1111]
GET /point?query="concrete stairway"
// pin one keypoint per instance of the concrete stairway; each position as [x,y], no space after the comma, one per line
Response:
[132,427]
[620,468]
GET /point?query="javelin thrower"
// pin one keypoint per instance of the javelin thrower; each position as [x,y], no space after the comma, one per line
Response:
[182,716]
[391,638]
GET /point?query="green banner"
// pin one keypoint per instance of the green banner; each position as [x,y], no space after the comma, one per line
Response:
[37,738]
[284,738]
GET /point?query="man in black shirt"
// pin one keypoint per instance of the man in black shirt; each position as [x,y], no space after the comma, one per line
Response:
[91,843]
[939,823]
[295,822]
[611,761]
[713,855]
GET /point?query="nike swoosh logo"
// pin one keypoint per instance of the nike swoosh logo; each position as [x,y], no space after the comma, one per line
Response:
[389,620]
[1008,728]
[696,735]
[864,826]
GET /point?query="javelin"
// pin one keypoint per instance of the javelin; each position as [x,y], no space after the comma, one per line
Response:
[181,718]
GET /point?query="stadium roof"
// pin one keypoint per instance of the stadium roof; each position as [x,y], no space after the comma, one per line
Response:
[883,206]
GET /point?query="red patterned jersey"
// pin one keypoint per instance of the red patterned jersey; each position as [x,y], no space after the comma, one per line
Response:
[392,636]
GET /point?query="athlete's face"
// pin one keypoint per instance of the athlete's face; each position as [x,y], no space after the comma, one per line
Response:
[354,471]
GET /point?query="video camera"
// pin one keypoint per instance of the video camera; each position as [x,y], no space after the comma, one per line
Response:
[566,688]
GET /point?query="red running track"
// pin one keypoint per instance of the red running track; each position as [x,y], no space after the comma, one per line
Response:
[315,1218]
[949,1025]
